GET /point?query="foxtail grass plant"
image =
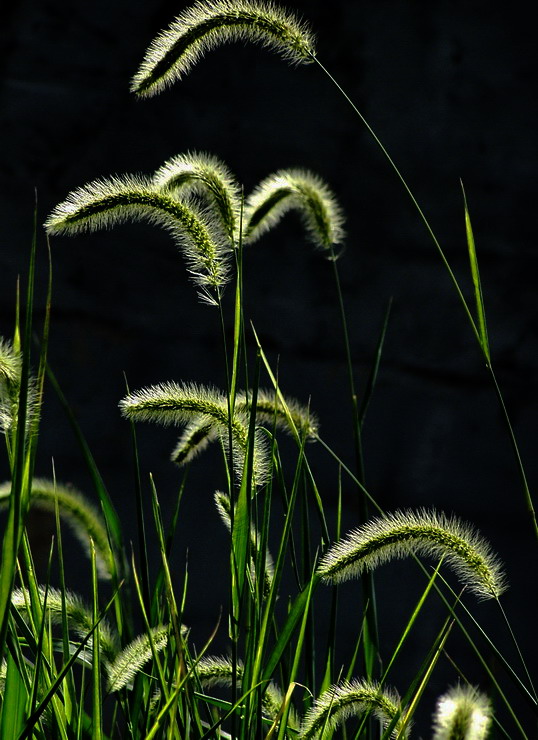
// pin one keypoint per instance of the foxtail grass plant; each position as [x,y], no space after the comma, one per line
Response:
[119,659]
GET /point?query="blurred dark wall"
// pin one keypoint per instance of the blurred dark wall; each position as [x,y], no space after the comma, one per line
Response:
[450,89]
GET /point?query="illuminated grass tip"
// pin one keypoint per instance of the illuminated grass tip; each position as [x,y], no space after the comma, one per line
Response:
[351,699]
[462,713]
[208,24]
[423,532]
[295,189]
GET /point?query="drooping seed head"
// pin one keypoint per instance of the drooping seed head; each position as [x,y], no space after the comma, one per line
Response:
[74,508]
[295,189]
[210,23]
[104,203]
[351,699]
[123,669]
[174,404]
[270,411]
[79,616]
[224,508]
[10,381]
[206,176]
[404,533]
[218,671]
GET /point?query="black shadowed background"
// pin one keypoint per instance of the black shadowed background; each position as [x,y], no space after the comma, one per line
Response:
[450,90]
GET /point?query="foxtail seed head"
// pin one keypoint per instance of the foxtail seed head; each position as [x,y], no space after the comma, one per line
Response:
[196,436]
[84,519]
[423,532]
[200,431]
[300,190]
[10,381]
[224,508]
[104,203]
[173,404]
[270,411]
[350,699]
[217,671]
[208,24]
[123,669]
[10,385]
[79,616]
[463,713]
[204,175]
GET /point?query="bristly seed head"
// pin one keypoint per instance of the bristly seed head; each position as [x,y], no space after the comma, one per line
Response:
[463,713]
[210,23]
[208,177]
[104,203]
[299,190]
[404,533]
[351,699]
[175,404]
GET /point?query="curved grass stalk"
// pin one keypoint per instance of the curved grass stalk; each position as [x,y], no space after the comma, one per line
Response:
[171,403]
[424,532]
[217,671]
[480,331]
[462,713]
[203,174]
[104,203]
[84,519]
[224,508]
[350,699]
[206,25]
[300,190]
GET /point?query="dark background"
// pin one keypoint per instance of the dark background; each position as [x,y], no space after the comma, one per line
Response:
[450,89]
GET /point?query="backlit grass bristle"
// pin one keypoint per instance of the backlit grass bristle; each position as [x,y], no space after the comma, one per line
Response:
[208,24]
[423,532]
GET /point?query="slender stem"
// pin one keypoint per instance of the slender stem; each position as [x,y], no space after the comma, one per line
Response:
[531,691]
[515,448]
[527,494]
[357,437]
[371,636]
[410,194]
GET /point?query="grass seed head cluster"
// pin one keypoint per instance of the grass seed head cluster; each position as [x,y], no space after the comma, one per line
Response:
[77,667]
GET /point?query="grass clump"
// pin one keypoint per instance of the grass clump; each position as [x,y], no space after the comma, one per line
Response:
[119,661]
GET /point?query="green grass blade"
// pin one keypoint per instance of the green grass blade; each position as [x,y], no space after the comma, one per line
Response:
[413,199]
[141,525]
[14,703]
[411,621]
[298,648]
[112,518]
[478,295]
[421,680]
[374,371]
[22,463]
[296,612]
[51,692]
[97,697]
